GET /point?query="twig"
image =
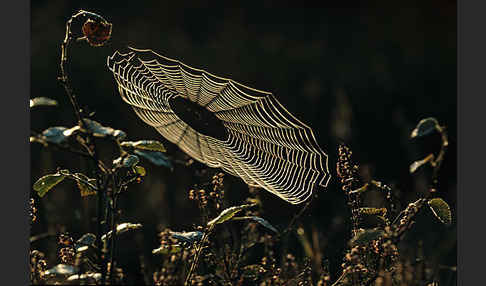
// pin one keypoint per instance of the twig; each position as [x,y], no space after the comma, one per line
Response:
[64,77]
[297,216]
[340,278]
[100,168]
[440,157]
[41,236]
[198,254]
[113,234]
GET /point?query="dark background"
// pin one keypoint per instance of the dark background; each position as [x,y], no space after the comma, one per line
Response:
[364,75]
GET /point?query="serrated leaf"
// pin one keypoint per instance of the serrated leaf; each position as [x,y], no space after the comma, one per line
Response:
[55,134]
[366,236]
[425,127]
[148,145]
[259,220]
[42,101]
[140,170]
[99,130]
[373,211]
[188,237]
[122,228]
[228,213]
[167,249]
[156,158]
[441,210]
[88,239]
[417,164]
[45,183]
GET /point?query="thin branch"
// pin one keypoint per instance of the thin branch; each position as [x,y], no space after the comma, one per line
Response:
[340,278]
[101,182]
[297,216]
[68,38]
[198,254]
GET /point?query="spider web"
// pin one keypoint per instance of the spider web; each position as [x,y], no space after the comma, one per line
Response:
[266,146]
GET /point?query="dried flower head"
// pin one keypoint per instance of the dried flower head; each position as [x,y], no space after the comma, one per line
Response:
[97,32]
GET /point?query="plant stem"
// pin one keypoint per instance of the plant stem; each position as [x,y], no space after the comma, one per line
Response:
[100,170]
[198,254]
[113,209]
[440,157]
[297,216]
[340,278]
[64,77]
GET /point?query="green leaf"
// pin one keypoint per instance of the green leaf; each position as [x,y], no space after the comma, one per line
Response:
[88,239]
[122,228]
[128,161]
[167,249]
[86,185]
[86,189]
[417,164]
[260,220]
[441,210]
[69,132]
[373,211]
[99,130]
[140,170]
[425,127]
[55,134]
[61,270]
[188,237]
[228,213]
[38,139]
[156,158]
[119,134]
[42,101]
[84,279]
[366,236]
[44,184]
[148,145]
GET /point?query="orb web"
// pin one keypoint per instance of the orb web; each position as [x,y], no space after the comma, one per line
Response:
[263,143]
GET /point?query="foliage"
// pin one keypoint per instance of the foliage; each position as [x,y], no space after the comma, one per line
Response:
[229,244]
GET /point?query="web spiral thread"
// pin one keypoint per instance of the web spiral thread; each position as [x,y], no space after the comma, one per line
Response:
[266,146]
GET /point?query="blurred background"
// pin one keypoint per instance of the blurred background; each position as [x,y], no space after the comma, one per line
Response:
[360,75]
